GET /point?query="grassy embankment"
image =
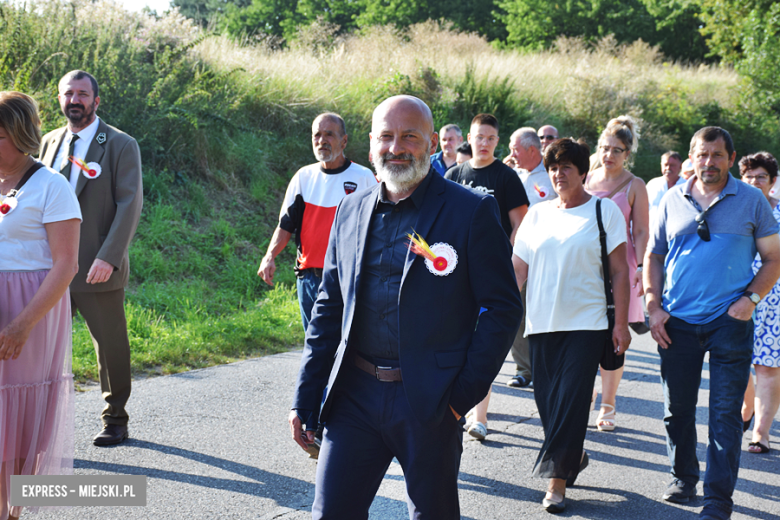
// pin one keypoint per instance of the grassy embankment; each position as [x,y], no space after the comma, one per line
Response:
[223,126]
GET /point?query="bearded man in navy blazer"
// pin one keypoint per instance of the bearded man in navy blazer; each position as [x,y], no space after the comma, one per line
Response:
[396,338]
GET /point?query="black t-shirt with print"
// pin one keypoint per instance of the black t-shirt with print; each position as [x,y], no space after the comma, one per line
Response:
[498,180]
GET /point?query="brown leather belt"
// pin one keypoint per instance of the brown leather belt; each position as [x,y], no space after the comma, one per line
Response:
[384,374]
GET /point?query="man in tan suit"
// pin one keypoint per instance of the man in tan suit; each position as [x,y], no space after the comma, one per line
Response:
[103,165]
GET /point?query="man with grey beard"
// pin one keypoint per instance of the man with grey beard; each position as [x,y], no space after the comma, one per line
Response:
[309,206]
[394,337]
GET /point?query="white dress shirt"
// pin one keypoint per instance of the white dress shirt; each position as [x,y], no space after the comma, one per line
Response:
[537,184]
[656,189]
[79,150]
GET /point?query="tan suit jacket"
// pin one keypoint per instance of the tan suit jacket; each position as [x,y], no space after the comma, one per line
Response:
[110,204]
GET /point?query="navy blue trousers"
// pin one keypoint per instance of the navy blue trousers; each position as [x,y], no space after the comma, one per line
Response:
[370,422]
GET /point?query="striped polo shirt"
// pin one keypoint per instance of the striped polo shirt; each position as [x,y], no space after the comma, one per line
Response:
[702,279]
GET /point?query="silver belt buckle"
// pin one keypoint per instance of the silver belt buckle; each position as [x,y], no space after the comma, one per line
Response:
[376,373]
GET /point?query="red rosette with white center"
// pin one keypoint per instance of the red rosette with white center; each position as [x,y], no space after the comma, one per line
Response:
[92,171]
[7,206]
[446,259]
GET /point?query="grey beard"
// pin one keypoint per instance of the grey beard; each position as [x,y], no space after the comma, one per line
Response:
[325,155]
[399,179]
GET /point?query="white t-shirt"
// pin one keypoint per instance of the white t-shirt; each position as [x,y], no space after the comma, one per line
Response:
[46,197]
[565,275]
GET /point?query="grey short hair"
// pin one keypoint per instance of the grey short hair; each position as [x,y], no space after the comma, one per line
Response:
[671,154]
[447,128]
[336,118]
[527,137]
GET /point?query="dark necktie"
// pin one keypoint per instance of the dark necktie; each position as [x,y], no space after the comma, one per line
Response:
[65,170]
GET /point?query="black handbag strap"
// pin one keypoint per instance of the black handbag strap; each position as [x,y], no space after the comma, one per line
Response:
[26,177]
[604,258]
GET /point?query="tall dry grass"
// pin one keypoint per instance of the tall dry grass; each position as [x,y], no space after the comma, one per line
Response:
[590,82]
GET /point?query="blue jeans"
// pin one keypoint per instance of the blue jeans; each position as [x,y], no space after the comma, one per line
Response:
[308,286]
[730,344]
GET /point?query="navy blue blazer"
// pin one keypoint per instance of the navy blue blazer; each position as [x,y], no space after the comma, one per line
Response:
[449,354]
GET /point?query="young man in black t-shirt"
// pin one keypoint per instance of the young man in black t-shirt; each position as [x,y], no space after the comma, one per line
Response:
[486,174]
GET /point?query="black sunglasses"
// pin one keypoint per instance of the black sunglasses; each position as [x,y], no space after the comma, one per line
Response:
[704,229]
[548,137]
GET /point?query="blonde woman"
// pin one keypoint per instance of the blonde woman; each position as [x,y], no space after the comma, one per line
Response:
[612,180]
[39,232]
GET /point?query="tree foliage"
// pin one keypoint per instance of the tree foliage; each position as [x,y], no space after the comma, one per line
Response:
[672,25]
[282,18]
[746,33]
[204,11]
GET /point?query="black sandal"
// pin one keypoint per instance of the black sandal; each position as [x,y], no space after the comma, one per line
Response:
[759,448]
[746,424]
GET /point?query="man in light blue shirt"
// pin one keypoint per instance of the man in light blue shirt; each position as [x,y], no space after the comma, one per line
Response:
[701,294]
[671,164]
[450,137]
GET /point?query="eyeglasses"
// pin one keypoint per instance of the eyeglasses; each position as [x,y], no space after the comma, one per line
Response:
[760,178]
[612,149]
[703,230]
[490,139]
[548,137]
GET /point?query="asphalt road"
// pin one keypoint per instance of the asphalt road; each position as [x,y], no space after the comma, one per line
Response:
[214,443]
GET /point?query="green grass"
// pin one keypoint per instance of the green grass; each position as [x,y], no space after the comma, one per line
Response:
[190,337]
[195,299]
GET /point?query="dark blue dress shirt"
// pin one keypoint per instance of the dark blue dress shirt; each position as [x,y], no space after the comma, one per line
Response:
[375,326]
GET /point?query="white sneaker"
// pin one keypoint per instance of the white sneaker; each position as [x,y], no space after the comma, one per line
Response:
[478,430]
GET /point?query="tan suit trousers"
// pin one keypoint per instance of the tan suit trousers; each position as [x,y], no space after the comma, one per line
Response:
[104,313]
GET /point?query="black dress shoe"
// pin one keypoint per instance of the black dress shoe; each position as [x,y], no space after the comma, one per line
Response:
[111,434]
[518,381]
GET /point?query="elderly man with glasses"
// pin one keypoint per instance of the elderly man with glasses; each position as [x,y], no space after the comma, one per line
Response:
[547,134]
[701,294]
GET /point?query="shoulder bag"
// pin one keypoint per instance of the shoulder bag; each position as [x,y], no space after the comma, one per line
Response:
[609,360]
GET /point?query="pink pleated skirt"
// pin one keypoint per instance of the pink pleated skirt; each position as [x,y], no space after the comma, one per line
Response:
[36,390]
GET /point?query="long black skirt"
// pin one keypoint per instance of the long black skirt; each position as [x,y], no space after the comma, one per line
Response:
[564,368]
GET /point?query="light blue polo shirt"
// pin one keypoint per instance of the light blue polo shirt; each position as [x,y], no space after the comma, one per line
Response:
[702,279]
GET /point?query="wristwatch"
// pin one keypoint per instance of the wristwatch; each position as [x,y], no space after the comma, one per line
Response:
[753,297]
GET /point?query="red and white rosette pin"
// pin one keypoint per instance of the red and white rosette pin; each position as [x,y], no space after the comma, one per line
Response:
[440,258]
[90,170]
[445,261]
[8,205]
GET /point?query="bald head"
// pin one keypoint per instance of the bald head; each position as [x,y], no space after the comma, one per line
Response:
[407,108]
